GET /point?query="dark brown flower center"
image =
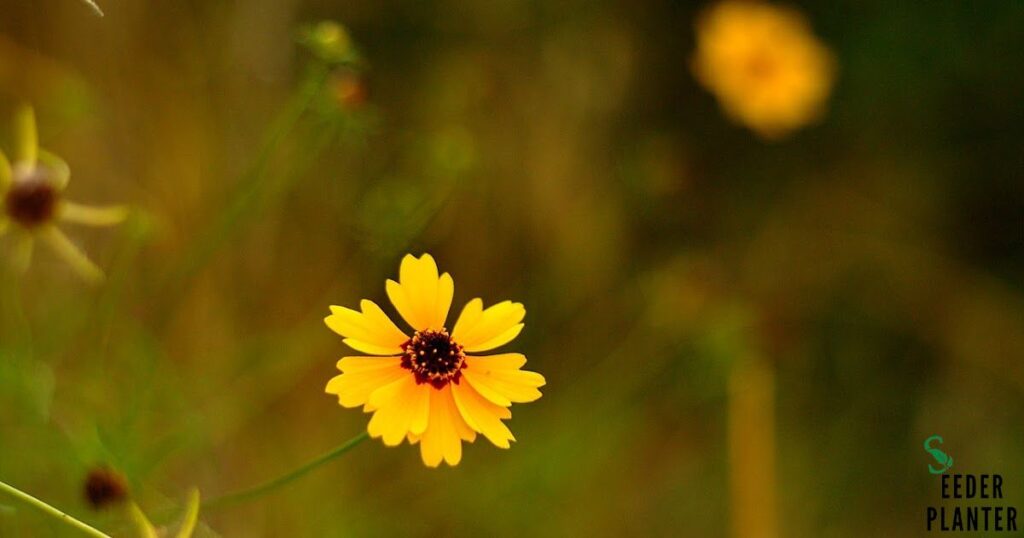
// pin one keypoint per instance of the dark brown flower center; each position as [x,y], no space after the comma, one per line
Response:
[32,198]
[433,358]
[104,487]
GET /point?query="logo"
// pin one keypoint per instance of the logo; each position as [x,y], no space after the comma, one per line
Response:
[964,503]
[945,460]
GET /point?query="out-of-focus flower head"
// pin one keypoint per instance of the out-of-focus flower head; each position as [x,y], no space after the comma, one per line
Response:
[105,487]
[344,98]
[768,71]
[32,188]
[329,41]
[348,89]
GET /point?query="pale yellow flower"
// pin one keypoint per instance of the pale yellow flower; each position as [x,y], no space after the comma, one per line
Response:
[432,388]
[32,188]
[764,65]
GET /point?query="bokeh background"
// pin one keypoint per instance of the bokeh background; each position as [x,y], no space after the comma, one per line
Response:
[741,337]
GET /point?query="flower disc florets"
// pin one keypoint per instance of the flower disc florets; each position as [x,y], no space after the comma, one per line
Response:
[32,198]
[433,358]
[105,487]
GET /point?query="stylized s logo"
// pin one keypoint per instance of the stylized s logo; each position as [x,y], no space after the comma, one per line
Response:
[945,460]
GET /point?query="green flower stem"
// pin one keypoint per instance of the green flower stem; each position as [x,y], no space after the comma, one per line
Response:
[256,491]
[250,194]
[28,500]
[253,186]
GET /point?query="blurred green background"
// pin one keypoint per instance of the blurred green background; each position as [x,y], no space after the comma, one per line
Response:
[870,267]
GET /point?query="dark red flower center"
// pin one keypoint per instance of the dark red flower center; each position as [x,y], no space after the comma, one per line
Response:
[433,357]
[32,198]
[105,487]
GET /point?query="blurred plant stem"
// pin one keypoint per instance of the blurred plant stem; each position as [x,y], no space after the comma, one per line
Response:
[19,337]
[752,449]
[254,185]
[283,480]
[28,500]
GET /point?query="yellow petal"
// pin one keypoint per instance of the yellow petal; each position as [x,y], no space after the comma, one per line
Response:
[400,407]
[361,364]
[26,145]
[483,415]
[95,7]
[60,173]
[91,216]
[494,380]
[469,317]
[71,254]
[369,331]
[465,432]
[420,295]
[503,361]
[482,330]
[6,174]
[143,527]
[443,438]
[191,516]
[361,376]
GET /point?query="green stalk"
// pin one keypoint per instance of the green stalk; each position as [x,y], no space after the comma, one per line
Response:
[250,193]
[28,500]
[254,183]
[256,491]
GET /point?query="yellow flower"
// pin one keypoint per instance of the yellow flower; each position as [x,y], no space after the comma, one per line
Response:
[428,388]
[32,191]
[764,65]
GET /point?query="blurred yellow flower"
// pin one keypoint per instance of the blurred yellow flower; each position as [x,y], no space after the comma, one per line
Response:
[764,65]
[330,42]
[426,388]
[32,190]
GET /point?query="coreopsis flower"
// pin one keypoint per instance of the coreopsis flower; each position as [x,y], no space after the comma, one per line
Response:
[430,387]
[764,65]
[32,188]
